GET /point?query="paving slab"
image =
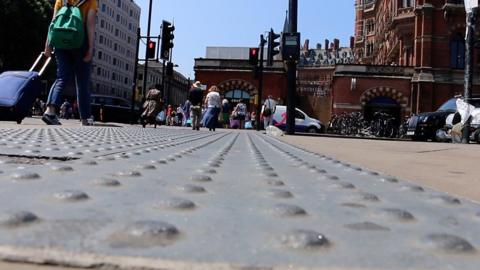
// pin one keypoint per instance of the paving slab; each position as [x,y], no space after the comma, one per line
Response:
[451,168]
[168,198]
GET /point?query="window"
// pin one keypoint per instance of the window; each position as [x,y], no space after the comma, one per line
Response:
[369,49]
[408,3]
[299,115]
[104,8]
[114,61]
[119,3]
[370,26]
[100,54]
[457,52]
[102,23]
[118,17]
[99,71]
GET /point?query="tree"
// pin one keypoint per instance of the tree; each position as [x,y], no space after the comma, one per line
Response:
[23,30]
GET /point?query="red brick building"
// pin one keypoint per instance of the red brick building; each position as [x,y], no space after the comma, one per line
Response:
[422,39]
[228,69]
[316,68]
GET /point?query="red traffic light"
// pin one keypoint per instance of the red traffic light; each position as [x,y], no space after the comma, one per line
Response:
[151,45]
[253,57]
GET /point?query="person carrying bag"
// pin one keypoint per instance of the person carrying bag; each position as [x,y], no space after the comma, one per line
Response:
[268,110]
[66,30]
[71,34]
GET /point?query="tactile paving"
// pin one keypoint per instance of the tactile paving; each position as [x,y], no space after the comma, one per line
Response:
[180,199]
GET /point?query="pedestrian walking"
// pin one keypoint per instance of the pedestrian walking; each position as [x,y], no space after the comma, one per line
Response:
[73,63]
[151,107]
[253,117]
[179,115]
[37,107]
[169,115]
[65,110]
[240,114]
[212,103]
[196,96]
[161,118]
[186,111]
[269,107]
[225,113]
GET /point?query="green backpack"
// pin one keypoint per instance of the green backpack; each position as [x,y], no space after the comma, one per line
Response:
[66,30]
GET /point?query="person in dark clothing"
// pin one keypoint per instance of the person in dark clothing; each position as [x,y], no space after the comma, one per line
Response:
[196,98]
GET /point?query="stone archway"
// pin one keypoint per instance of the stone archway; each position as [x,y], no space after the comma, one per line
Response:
[237,84]
[383,99]
[389,92]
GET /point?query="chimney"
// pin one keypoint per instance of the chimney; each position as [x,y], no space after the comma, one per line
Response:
[352,42]
[336,44]
[306,45]
[332,45]
[319,46]
[327,44]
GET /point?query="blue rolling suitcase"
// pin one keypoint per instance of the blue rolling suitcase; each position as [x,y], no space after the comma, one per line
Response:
[18,91]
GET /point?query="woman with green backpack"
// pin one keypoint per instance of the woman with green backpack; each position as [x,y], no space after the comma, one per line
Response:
[71,34]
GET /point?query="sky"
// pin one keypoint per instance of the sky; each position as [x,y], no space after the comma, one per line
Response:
[239,23]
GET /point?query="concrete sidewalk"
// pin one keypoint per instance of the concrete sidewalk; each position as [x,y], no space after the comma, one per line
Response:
[452,168]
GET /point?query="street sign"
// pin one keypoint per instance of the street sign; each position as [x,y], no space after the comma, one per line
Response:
[291,46]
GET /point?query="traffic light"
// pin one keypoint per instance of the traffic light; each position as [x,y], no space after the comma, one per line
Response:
[272,47]
[167,40]
[169,70]
[151,49]
[253,56]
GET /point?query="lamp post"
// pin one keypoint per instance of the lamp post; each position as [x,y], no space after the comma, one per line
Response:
[471,9]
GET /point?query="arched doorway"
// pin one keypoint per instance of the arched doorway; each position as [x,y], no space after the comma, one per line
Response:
[383,99]
[237,90]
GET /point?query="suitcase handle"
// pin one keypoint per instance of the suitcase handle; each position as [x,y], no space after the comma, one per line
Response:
[38,61]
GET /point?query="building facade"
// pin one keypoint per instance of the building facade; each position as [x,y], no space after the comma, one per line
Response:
[176,87]
[115,47]
[426,37]
[229,69]
[316,68]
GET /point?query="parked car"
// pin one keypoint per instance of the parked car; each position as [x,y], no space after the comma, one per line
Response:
[112,109]
[424,126]
[303,122]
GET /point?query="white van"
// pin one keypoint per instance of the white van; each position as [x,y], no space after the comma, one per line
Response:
[303,123]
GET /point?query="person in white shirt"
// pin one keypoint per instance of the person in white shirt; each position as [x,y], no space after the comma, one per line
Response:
[213,102]
[269,107]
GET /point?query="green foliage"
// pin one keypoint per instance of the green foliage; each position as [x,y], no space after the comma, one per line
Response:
[23,30]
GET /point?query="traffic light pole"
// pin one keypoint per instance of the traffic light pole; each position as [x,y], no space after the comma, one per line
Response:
[134,83]
[145,70]
[469,44]
[164,90]
[292,71]
[260,83]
